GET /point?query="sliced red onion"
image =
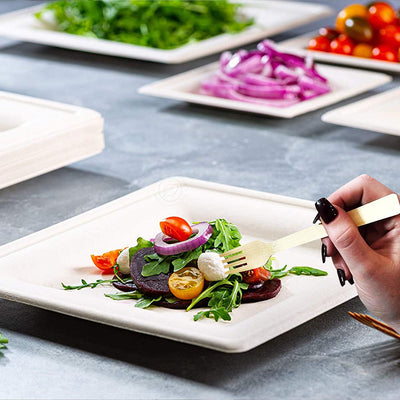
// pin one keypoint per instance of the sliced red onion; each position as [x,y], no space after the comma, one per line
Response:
[266,76]
[166,246]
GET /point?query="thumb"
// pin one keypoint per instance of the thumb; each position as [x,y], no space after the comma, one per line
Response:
[345,236]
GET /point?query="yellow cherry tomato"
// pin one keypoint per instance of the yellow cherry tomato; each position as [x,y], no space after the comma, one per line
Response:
[187,283]
[353,10]
[362,50]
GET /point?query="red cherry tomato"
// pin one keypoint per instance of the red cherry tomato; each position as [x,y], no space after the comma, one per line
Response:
[107,260]
[390,35]
[176,228]
[385,53]
[342,45]
[381,14]
[319,43]
[330,33]
[256,275]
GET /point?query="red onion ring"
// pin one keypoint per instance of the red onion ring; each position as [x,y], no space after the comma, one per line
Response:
[203,232]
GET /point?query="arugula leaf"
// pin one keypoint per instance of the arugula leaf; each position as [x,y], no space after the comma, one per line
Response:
[125,296]
[186,258]
[226,236]
[94,284]
[3,341]
[146,301]
[299,270]
[163,24]
[225,295]
[156,265]
[141,244]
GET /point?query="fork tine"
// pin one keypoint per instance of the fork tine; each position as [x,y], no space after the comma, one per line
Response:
[229,253]
[235,264]
[387,331]
[373,320]
[374,323]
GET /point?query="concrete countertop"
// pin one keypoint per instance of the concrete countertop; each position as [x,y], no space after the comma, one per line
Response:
[53,356]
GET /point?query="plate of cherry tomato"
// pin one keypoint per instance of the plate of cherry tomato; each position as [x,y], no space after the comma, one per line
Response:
[362,35]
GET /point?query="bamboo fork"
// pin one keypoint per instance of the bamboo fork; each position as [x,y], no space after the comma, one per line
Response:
[256,254]
[374,323]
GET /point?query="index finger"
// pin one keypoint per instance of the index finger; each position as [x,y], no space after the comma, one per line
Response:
[359,191]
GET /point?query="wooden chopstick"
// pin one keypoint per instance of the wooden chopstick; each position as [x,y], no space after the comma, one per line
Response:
[374,323]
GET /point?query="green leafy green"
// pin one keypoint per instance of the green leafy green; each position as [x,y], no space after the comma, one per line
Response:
[156,265]
[298,270]
[147,301]
[3,341]
[125,296]
[141,244]
[162,24]
[93,284]
[226,236]
[224,296]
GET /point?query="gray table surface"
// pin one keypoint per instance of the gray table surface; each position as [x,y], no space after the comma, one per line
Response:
[53,356]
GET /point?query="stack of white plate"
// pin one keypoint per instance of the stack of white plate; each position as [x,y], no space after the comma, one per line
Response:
[37,136]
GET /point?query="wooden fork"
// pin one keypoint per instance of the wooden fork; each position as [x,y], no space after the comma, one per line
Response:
[374,323]
[256,254]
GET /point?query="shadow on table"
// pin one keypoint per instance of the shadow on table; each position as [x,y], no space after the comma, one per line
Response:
[290,351]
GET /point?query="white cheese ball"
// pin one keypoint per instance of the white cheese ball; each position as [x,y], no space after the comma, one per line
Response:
[210,264]
[123,262]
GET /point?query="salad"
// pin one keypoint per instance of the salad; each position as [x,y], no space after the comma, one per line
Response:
[371,31]
[181,269]
[266,76]
[161,24]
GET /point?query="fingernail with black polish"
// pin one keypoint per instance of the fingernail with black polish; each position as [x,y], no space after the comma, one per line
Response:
[326,210]
[342,277]
[323,252]
[351,280]
[316,219]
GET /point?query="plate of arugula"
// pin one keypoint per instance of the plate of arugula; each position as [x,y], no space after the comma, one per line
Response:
[38,268]
[146,30]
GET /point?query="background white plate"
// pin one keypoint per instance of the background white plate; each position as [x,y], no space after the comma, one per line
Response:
[38,136]
[380,113]
[271,17]
[299,46]
[345,83]
[32,268]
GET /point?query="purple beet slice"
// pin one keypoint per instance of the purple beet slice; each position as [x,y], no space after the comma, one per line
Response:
[269,290]
[125,287]
[156,285]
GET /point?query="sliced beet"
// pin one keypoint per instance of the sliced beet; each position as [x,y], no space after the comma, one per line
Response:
[125,287]
[156,285]
[269,290]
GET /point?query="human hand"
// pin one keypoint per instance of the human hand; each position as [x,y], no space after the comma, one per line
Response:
[370,254]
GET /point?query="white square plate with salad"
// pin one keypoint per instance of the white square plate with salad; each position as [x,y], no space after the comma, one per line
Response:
[32,268]
[299,46]
[379,113]
[344,83]
[271,17]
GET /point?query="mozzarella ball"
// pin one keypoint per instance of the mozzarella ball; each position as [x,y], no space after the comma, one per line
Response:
[210,264]
[123,262]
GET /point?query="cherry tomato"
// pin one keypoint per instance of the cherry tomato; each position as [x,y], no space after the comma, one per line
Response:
[330,33]
[385,53]
[353,10]
[342,45]
[358,29]
[363,50]
[176,228]
[187,283]
[256,275]
[381,14]
[107,260]
[390,35]
[319,43]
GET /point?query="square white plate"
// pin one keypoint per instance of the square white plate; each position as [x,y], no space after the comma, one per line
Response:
[38,136]
[299,46]
[271,17]
[380,113]
[345,83]
[32,268]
